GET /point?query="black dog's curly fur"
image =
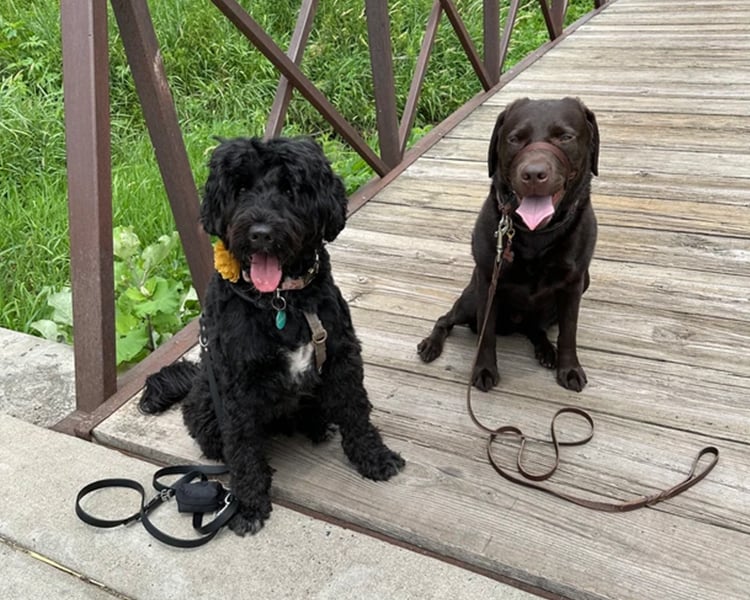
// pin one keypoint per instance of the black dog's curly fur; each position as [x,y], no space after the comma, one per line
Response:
[278,198]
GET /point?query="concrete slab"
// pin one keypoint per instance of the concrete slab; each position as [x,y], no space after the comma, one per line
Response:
[36,379]
[294,556]
[28,577]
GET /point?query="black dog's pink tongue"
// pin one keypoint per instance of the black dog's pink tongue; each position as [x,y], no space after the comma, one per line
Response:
[535,209]
[265,272]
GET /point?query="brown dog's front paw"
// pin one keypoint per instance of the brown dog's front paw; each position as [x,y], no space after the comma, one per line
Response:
[546,354]
[573,378]
[429,349]
[485,378]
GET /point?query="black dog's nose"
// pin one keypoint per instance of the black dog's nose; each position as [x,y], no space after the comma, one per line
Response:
[260,234]
[535,172]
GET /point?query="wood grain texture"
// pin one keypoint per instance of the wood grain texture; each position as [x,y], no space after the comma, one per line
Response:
[664,333]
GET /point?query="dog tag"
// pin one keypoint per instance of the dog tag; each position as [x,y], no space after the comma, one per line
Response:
[279,305]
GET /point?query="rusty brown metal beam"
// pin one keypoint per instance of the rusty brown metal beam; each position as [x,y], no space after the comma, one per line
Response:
[410,108]
[144,58]
[87,144]
[554,15]
[510,22]
[491,32]
[263,42]
[381,63]
[296,52]
[465,39]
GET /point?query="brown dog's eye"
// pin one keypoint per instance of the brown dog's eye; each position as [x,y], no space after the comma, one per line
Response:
[566,137]
[512,139]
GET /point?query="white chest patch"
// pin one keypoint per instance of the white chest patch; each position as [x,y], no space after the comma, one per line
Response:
[300,360]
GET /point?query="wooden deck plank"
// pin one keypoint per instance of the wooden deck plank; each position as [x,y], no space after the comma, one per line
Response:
[689,213]
[664,333]
[633,172]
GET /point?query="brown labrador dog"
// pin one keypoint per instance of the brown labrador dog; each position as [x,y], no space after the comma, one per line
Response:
[541,158]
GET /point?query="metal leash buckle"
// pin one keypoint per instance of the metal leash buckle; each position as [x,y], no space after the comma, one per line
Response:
[505,230]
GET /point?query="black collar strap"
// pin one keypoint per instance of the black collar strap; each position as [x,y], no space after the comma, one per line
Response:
[301,282]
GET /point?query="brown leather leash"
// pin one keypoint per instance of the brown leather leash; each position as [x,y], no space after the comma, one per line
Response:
[505,234]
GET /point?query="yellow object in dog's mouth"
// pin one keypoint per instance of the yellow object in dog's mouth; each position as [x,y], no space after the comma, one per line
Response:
[225,263]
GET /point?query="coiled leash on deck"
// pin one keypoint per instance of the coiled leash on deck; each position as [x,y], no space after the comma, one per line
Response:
[505,234]
[196,497]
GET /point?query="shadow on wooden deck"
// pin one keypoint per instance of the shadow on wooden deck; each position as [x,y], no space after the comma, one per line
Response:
[664,334]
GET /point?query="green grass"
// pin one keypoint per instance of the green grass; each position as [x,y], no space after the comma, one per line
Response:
[222,86]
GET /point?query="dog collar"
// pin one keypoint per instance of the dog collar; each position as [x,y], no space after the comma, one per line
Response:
[299,283]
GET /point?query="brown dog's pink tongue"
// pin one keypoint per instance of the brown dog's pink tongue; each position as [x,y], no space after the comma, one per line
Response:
[535,209]
[265,272]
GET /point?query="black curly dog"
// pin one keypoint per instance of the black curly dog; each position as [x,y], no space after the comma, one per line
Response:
[273,205]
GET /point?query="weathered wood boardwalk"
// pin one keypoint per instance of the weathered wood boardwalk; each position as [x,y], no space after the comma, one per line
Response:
[664,333]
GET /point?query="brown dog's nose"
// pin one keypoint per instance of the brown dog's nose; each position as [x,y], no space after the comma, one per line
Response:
[535,172]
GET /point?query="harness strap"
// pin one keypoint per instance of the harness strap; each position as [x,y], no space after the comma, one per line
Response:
[319,337]
[529,479]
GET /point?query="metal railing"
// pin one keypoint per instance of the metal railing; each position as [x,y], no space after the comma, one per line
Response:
[87,123]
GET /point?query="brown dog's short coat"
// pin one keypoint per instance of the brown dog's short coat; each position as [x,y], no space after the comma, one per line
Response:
[541,158]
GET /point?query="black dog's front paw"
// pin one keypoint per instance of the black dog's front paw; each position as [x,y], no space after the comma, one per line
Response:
[382,465]
[485,378]
[248,520]
[572,378]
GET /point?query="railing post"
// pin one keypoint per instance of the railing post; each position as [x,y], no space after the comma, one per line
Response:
[491,20]
[144,58]
[381,60]
[296,51]
[87,144]
[553,12]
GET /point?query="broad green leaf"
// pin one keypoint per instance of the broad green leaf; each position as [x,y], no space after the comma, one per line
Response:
[131,345]
[49,330]
[62,306]
[125,321]
[159,250]
[125,242]
[164,298]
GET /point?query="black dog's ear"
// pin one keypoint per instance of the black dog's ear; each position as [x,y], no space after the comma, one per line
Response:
[594,129]
[309,171]
[233,166]
[339,205]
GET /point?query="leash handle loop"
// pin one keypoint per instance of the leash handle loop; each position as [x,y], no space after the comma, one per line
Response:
[165,493]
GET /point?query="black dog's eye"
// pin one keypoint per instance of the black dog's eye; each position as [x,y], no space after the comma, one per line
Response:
[512,139]
[566,137]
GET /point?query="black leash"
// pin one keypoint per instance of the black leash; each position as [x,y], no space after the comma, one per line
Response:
[196,497]
[213,387]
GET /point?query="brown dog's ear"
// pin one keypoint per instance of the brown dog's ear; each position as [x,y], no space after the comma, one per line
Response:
[492,153]
[594,129]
